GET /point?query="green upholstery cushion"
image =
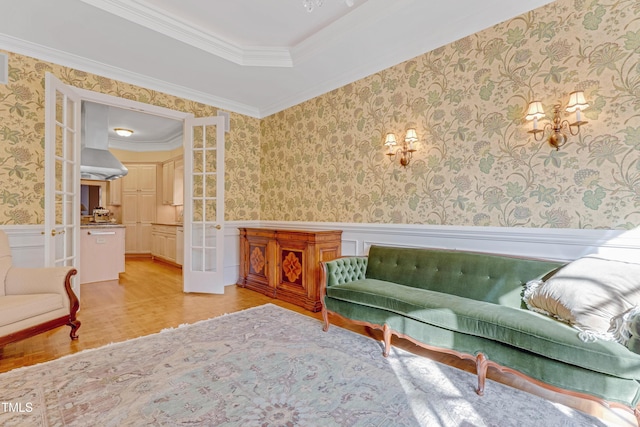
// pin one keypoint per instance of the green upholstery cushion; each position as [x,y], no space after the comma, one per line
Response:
[483,277]
[623,390]
[510,325]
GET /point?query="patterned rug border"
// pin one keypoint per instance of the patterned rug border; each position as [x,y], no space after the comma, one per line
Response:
[141,337]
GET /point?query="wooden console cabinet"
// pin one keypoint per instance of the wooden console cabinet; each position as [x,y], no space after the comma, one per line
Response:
[285,264]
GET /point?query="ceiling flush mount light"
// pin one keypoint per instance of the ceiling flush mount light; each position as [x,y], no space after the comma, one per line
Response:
[558,129]
[123,132]
[311,4]
[405,151]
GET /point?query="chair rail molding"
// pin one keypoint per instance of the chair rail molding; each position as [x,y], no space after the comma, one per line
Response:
[546,243]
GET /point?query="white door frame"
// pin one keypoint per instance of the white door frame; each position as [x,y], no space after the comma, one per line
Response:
[100,98]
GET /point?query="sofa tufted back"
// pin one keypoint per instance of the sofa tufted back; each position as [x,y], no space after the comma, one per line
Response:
[5,260]
[343,270]
[485,277]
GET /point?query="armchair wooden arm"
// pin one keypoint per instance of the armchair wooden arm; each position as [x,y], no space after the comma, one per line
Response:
[62,279]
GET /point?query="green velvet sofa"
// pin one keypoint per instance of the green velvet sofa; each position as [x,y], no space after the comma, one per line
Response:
[470,304]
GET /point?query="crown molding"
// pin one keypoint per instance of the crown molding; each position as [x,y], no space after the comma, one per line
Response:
[59,57]
[364,69]
[139,12]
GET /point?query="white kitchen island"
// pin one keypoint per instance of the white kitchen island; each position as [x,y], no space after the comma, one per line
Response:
[101,252]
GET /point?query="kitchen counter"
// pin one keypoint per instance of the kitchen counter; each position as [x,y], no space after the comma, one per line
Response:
[100,225]
[171,224]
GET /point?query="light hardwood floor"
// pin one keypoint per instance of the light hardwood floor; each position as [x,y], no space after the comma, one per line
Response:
[149,298]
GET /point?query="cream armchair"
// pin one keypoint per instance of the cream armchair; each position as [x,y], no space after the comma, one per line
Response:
[34,300]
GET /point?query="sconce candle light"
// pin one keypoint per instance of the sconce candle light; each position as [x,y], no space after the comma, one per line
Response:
[557,128]
[406,150]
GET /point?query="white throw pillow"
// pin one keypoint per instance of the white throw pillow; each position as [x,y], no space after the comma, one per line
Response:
[587,293]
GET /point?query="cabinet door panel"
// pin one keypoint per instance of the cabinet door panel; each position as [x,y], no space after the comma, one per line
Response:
[147,208]
[130,208]
[167,183]
[130,180]
[292,268]
[115,192]
[170,248]
[144,238]
[147,178]
[130,241]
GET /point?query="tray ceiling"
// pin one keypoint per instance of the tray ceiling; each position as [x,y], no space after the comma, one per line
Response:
[248,56]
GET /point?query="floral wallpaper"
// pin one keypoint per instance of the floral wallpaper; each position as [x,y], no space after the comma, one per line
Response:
[22,140]
[324,160]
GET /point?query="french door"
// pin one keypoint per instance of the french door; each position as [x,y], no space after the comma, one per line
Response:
[204,205]
[62,176]
[204,185]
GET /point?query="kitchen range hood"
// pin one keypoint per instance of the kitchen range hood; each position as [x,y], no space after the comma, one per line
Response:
[96,161]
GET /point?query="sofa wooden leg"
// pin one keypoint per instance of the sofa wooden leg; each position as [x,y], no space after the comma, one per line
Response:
[325,318]
[386,335]
[481,370]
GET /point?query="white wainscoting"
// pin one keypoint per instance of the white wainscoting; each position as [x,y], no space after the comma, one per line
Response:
[27,242]
[232,249]
[554,244]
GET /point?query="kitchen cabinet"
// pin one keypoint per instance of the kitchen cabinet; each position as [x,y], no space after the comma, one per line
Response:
[178,182]
[141,177]
[285,264]
[180,245]
[173,182]
[164,242]
[102,249]
[168,174]
[114,195]
[139,207]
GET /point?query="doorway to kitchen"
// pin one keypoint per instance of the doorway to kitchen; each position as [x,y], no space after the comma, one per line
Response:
[203,145]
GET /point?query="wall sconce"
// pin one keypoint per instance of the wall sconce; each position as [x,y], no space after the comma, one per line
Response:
[558,128]
[406,150]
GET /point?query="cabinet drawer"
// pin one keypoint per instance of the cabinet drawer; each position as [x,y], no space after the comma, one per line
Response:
[164,229]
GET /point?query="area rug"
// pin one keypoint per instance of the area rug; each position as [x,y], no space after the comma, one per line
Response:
[265,366]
